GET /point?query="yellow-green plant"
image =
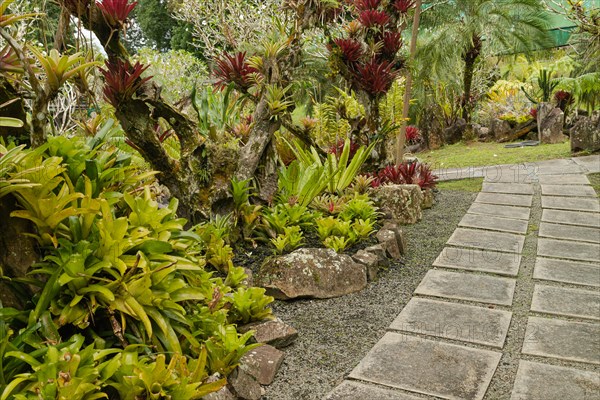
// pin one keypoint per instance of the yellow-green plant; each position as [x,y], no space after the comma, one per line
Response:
[59,68]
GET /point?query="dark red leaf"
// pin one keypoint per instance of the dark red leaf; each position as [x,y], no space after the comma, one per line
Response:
[234,68]
[122,80]
[351,49]
[372,18]
[115,11]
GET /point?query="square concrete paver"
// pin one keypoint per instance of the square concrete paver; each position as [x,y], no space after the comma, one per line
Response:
[565,340]
[520,173]
[351,390]
[466,286]
[569,250]
[590,163]
[478,239]
[537,381]
[454,321]
[568,190]
[573,272]
[569,232]
[429,367]
[565,301]
[479,260]
[563,180]
[500,211]
[519,200]
[572,218]
[491,223]
[510,188]
[571,203]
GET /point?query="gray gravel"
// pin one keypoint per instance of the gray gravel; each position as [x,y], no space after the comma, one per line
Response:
[335,334]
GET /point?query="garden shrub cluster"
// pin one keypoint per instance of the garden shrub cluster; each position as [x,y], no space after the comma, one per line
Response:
[122,283]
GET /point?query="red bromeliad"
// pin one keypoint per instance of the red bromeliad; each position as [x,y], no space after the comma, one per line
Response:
[234,68]
[115,11]
[122,80]
[373,18]
[403,6]
[375,77]
[351,49]
[405,174]
[337,149]
[362,5]
[392,41]
[412,134]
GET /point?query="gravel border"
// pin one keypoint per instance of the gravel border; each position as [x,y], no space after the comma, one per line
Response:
[335,334]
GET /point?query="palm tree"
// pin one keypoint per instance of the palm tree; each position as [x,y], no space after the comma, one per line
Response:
[458,32]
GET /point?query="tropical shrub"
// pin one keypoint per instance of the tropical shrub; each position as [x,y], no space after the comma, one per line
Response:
[414,173]
[129,301]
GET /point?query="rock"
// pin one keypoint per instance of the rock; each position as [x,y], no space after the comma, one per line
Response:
[387,239]
[312,273]
[17,251]
[428,199]
[401,203]
[454,133]
[262,363]
[499,129]
[378,251]
[585,133]
[371,261]
[223,394]
[550,124]
[274,332]
[483,133]
[244,386]
[400,239]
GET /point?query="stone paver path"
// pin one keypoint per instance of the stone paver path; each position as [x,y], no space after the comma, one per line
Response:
[511,307]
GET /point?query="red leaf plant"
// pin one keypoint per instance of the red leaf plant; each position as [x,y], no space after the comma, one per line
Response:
[351,49]
[339,147]
[362,5]
[533,112]
[122,80]
[412,134]
[115,11]
[375,77]
[392,41]
[414,173]
[372,18]
[403,6]
[234,68]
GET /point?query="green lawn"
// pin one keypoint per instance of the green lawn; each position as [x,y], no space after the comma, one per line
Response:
[462,185]
[479,154]
[595,181]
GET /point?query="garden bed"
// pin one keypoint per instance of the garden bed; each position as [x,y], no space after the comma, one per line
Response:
[334,334]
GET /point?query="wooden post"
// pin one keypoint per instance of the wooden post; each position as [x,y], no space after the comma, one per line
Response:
[401,137]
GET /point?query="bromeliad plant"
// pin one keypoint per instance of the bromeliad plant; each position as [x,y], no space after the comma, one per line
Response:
[127,303]
[414,173]
[368,57]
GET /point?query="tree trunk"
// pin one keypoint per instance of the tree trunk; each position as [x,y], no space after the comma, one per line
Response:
[260,137]
[470,58]
[401,137]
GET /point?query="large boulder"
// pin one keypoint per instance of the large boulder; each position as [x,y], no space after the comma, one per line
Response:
[455,132]
[550,122]
[500,129]
[401,203]
[585,133]
[312,273]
